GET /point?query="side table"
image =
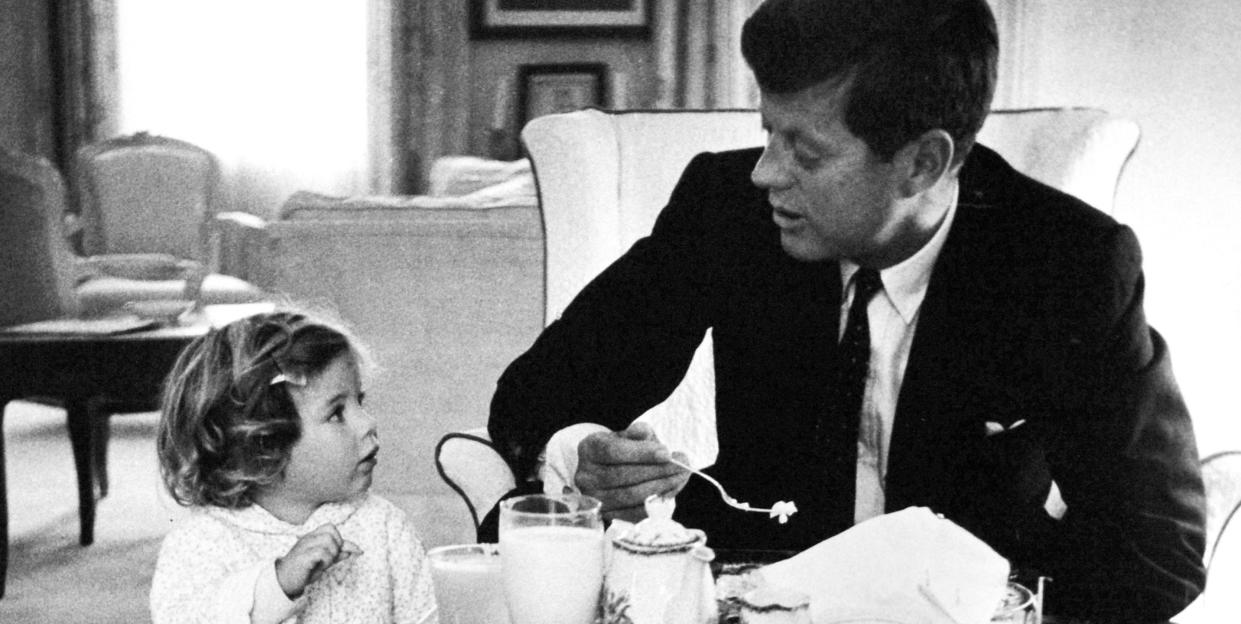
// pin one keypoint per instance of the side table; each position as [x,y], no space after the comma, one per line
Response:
[82,365]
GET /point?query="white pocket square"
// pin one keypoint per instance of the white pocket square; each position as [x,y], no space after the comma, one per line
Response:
[993,427]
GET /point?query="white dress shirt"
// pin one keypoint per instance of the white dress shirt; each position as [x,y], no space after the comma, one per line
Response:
[893,317]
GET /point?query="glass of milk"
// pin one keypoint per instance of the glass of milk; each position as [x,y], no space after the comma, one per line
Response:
[468,587]
[551,558]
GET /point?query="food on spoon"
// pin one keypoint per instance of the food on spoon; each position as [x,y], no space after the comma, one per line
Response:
[782,510]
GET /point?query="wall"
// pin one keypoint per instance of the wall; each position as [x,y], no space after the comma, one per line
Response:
[495,64]
[1174,68]
[451,84]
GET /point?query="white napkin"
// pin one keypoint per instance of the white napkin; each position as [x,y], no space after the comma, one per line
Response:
[909,566]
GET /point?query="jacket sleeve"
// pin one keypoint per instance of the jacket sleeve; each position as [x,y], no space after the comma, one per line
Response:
[1130,545]
[624,343]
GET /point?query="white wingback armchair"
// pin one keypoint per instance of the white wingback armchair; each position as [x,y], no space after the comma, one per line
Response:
[604,176]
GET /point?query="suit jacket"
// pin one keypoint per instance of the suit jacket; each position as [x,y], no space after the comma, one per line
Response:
[1033,312]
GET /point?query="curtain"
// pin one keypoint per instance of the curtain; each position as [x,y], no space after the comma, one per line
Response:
[83,54]
[277,90]
[698,55]
[1017,24]
[436,51]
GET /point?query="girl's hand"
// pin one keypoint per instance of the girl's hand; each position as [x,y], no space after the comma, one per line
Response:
[315,552]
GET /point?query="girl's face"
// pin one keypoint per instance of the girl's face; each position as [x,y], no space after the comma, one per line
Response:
[335,456]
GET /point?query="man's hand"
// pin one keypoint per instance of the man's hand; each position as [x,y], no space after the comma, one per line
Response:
[622,468]
[315,552]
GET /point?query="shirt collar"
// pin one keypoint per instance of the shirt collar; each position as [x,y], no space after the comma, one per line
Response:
[905,283]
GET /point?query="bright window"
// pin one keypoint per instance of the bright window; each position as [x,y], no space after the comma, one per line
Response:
[277,89]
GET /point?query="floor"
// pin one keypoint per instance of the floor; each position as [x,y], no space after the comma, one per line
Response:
[51,578]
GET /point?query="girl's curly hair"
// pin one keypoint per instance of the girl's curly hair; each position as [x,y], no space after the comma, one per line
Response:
[226,428]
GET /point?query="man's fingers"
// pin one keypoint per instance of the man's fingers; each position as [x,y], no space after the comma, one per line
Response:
[623,468]
[637,511]
[639,431]
[612,476]
[636,495]
[614,448]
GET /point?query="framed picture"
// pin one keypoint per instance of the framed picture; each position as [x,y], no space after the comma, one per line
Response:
[560,18]
[547,89]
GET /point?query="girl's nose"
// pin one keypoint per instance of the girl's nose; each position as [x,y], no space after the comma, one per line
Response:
[367,425]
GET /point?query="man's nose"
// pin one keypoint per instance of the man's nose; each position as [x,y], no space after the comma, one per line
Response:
[768,172]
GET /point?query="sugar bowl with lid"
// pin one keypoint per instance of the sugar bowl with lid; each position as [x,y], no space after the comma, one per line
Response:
[658,571]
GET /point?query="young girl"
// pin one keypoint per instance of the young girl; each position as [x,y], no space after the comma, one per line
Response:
[263,435]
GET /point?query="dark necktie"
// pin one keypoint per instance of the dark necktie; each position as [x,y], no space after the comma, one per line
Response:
[855,348]
[845,407]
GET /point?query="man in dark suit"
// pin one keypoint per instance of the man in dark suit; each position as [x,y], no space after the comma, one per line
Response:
[899,319]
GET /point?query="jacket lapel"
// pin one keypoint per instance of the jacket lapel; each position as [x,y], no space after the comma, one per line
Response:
[963,332]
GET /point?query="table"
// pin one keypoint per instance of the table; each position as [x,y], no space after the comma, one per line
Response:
[90,373]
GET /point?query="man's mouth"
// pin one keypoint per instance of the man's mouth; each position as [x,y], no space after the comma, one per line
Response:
[370,457]
[784,217]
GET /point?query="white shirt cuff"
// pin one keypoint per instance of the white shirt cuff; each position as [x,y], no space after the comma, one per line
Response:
[559,460]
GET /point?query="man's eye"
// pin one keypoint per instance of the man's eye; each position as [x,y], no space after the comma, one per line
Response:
[807,161]
[361,398]
[337,415]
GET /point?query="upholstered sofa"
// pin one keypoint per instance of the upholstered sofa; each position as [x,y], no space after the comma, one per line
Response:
[446,289]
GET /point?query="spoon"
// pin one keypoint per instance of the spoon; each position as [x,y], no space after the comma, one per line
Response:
[781,510]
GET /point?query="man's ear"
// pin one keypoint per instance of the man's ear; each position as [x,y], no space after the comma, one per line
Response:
[925,161]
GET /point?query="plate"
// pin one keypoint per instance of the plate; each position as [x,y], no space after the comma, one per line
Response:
[161,310]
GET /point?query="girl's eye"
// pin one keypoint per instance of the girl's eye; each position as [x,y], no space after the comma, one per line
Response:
[361,399]
[337,415]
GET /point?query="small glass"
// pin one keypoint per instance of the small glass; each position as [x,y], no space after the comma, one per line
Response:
[468,586]
[775,605]
[1020,606]
[551,558]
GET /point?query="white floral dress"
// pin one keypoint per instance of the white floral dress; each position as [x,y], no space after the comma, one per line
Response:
[211,562]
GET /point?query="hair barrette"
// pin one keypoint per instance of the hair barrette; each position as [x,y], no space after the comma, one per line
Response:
[297,380]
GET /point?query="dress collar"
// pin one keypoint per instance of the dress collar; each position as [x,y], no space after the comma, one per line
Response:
[255,518]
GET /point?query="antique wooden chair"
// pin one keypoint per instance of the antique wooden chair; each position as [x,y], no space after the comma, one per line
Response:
[148,209]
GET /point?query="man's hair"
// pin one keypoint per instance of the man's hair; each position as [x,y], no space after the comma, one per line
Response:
[914,65]
[228,421]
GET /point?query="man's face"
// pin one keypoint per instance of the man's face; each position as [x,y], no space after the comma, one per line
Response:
[831,196]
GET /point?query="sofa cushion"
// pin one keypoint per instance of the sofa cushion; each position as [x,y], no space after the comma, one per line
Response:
[454,176]
[514,193]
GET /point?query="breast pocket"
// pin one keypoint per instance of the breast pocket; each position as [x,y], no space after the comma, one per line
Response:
[1010,461]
